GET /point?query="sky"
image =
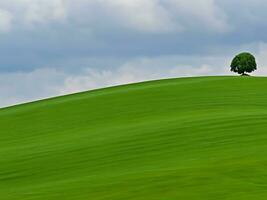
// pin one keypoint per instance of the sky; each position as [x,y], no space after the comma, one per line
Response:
[56,47]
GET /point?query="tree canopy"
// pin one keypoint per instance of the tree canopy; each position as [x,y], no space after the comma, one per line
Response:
[244,63]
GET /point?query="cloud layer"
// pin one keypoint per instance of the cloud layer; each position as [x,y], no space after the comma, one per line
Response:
[152,16]
[54,47]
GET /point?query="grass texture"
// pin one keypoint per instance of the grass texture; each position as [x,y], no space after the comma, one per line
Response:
[188,138]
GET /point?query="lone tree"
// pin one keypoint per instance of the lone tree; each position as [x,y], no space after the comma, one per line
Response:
[244,63]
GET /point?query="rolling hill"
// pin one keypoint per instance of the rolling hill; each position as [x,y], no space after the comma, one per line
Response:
[187,138]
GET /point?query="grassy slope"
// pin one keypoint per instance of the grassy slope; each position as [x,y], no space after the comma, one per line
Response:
[193,138]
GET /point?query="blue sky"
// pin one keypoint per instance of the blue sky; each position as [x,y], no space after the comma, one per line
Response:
[55,47]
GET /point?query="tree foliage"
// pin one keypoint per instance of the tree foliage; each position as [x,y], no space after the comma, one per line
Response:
[244,63]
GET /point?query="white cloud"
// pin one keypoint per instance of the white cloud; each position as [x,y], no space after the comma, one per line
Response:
[201,13]
[152,16]
[41,11]
[5,20]
[159,16]
[29,12]
[148,16]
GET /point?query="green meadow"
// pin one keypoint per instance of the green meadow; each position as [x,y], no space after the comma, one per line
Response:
[177,139]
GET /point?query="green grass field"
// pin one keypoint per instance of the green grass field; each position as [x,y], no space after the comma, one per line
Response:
[190,138]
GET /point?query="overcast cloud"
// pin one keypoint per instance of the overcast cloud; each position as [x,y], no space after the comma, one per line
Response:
[55,47]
